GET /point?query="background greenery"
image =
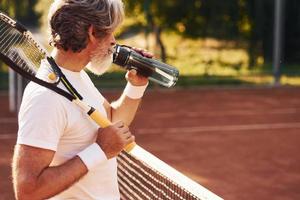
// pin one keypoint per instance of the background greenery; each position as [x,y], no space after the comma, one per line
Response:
[209,41]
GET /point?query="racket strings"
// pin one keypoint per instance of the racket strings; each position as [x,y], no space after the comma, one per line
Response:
[31,43]
[20,47]
[31,52]
[11,23]
[35,51]
[40,49]
[31,49]
[5,32]
[15,52]
[24,51]
[10,42]
[8,47]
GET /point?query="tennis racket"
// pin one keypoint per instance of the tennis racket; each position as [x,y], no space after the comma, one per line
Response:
[23,54]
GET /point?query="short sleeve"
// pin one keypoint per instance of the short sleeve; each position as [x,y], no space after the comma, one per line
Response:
[42,119]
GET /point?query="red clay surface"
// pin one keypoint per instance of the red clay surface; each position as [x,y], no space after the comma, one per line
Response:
[238,143]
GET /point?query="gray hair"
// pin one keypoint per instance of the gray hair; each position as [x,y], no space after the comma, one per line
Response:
[70,20]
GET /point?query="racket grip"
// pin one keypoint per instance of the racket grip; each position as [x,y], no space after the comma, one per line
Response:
[104,122]
[100,119]
[129,147]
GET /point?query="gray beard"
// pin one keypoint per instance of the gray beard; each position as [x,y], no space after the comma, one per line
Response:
[100,64]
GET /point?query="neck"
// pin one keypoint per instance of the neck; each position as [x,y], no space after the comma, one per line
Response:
[69,60]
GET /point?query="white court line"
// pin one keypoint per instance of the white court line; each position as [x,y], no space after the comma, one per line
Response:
[228,112]
[8,120]
[8,136]
[195,129]
[225,128]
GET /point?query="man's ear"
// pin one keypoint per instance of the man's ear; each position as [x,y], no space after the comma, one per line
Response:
[92,37]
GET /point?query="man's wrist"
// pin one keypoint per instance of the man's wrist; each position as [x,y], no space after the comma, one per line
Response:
[134,92]
[92,156]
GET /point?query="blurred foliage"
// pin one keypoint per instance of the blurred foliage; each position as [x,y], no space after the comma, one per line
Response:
[202,38]
[22,10]
[248,20]
[226,20]
[292,32]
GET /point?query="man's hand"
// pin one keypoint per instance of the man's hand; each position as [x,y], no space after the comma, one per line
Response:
[143,52]
[132,76]
[113,139]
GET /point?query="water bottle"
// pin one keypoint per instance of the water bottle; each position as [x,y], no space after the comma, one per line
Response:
[155,70]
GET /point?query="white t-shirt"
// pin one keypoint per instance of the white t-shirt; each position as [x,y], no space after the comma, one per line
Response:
[50,121]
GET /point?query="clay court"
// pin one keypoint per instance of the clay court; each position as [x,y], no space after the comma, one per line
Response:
[239,143]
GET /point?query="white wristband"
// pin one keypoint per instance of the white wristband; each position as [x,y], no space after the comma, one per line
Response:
[92,156]
[134,92]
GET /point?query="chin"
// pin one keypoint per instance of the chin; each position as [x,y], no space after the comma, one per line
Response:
[99,66]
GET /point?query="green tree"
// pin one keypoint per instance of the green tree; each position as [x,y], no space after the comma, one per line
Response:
[195,18]
[248,20]
[292,32]
[22,10]
[261,17]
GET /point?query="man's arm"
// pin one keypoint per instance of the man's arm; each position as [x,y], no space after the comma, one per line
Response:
[33,178]
[125,108]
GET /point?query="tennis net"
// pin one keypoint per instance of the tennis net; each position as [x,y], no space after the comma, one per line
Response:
[151,178]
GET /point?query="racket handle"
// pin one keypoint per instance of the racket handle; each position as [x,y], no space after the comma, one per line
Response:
[129,147]
[104,122]
[100,119]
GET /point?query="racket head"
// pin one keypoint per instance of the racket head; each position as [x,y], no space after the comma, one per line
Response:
[22,53]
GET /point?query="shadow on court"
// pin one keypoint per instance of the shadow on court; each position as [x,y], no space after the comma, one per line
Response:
[239,143]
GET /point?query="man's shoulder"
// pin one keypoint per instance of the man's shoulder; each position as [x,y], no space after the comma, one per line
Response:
[38,100]
[35,92]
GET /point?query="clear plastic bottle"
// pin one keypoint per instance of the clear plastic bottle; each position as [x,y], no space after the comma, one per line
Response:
[155,70]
